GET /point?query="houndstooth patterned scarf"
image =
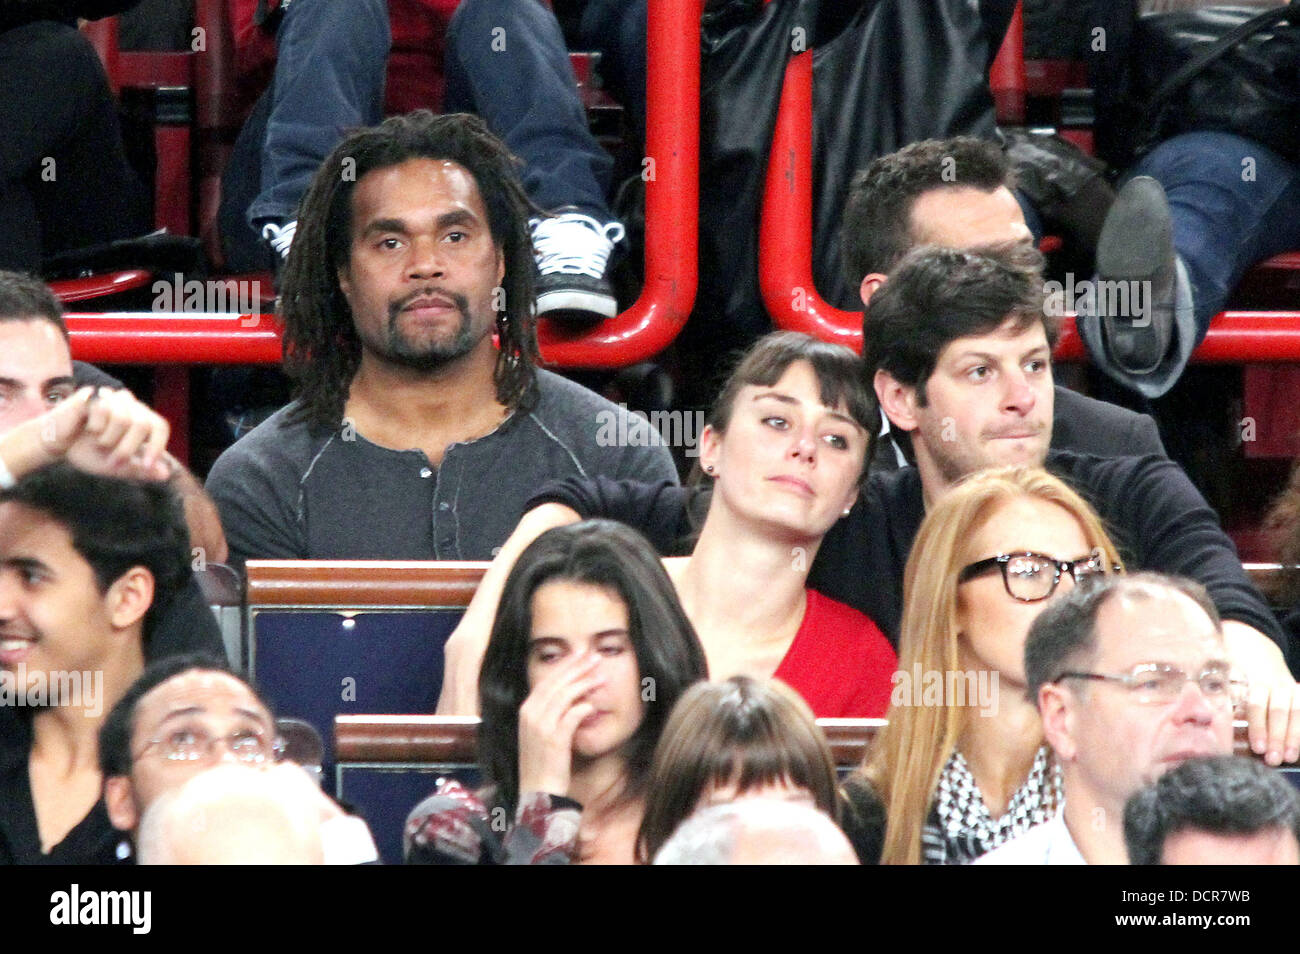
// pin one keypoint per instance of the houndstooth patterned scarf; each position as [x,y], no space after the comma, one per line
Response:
[960,828]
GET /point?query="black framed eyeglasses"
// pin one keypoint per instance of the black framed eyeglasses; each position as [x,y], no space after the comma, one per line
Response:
[193,745]
[1030,577]
[1161,684]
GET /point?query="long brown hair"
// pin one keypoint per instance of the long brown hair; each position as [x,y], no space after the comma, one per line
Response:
[910,752]
[744,732]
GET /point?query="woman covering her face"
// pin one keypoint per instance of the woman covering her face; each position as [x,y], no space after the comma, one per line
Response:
[588,654]
[961,766]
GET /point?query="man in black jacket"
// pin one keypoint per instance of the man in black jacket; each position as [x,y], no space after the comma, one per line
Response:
[959,193]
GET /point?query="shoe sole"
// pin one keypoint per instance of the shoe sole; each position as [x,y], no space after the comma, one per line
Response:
[1136,235]
[574,300]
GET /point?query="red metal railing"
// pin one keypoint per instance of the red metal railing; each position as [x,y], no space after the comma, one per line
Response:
[785,274]
[672,204]
[1235,337]
[639,333]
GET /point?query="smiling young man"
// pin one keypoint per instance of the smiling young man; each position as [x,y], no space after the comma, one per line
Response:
[1131,677]
[84,562]
[415,434]
[49,415]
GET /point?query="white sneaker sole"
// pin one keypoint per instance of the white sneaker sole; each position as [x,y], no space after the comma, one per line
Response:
[572,299]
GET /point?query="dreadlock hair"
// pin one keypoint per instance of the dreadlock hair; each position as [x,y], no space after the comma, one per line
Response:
[322,350]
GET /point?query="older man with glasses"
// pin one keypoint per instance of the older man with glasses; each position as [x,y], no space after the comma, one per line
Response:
[186,715]
[1131,677]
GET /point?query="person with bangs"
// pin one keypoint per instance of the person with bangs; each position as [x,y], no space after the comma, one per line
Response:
[951,778]
[589,653]
[726,741]
[781,461]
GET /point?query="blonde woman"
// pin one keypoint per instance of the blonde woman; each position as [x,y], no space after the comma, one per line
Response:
[951,778]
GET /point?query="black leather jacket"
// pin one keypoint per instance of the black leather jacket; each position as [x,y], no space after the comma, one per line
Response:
[15,13]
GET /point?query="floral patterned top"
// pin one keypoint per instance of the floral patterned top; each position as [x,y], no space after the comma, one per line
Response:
[455,826]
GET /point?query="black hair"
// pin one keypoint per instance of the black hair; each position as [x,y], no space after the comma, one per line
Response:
[26,298]
[115,525]
[1221,795]
[322,350]
[115,734]
[668,653]
[1066,631]
[937,295]
[876,231]
[837,369]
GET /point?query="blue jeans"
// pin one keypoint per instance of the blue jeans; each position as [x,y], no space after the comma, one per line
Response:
[329,78]
[1228,212]
[506,61]
[617,29]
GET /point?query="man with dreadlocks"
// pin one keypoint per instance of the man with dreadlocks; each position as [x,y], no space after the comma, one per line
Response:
[413,435]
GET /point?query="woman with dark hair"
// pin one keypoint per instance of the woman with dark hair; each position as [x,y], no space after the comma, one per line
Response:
[727,740]
[589,652]
[785,451]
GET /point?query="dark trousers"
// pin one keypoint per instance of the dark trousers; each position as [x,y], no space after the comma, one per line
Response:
[330,66]
[1233,202]
[506,61]
[617,30]
[65,182]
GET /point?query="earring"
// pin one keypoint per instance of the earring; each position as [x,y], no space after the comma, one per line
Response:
[847,511]
[708,469]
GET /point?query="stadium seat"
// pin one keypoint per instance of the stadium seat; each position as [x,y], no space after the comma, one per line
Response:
[223,591]
[326,638]
[386,764]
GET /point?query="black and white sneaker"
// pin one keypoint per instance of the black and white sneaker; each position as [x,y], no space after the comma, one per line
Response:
[572,251]
[279,237]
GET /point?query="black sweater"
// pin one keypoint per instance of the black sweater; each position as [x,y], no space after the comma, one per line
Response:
[1150,508]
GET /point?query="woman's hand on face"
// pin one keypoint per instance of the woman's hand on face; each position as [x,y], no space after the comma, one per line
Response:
[548,719]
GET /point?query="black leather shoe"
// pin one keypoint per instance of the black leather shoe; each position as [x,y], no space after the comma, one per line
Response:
[1137,273]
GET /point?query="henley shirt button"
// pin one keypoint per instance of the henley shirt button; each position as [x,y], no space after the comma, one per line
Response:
[444,506]
[425,472]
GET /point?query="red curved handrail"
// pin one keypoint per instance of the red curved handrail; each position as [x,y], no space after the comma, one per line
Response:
[785,275]
[69,290]
[672,205]
[166,338]
[1235,337]
[785,272]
